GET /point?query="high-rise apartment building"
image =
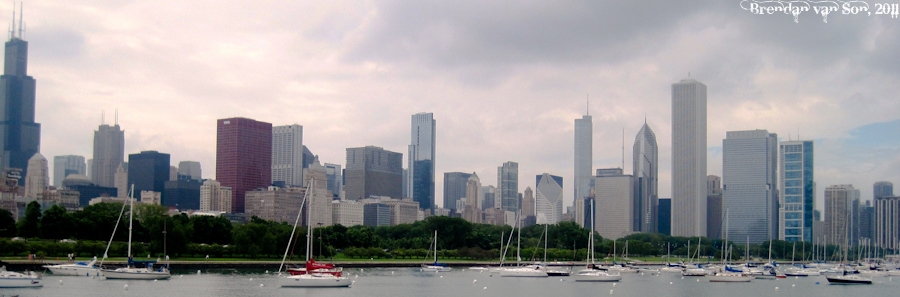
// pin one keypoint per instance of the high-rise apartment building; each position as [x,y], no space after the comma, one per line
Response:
[749,166]
[65,165]
[20,135]
[797,191]
[455,188]
[583,157]
[420,179]
[287,155]
[646,180]
[838,216]
[688,158]
[887,222]
[148,171]
[373,171]
[215,197]
[190,170]
[714,210]
[487,197]
[508,186]
[548,202]
[614,194]
[37,177]
[109,153]
[243,157]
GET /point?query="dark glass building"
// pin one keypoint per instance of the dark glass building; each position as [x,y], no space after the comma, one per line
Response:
[182,194]
[665,216]
[20,136]
[420,179]
[376,215]
[243,157]
[148,171]
[455,188]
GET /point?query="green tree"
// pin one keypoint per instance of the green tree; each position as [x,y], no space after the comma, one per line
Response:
[29,226]
[7,224]
[210,229]
[56,223]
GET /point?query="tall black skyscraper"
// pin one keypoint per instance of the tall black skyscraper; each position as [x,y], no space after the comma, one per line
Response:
[20,136]
[148,171]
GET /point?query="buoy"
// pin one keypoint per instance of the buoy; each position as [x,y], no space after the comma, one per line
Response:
[796,277]
[356,276]
[392,273]
[154,280]
[776,288]
[614,284]
[610,292]
[485,288]
[698,280]
[198,271]
[360,269]
[474,281]
[560,280]
[181,276]
[60,282]
[251,279]
[262,285]
[267,271]
[670,283]
[442,276]
[793,285]
[126,287]
[682,277]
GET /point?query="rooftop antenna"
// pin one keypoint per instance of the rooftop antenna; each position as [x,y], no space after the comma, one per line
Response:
[623,150]
[21,29]
[12,30]
[102,117]
[587,110]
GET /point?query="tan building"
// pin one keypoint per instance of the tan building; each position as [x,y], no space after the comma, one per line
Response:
[838,201]
[62,197]
[215,197]
[273,204]
[121,180]
[151,197]
[347,213]
[472,208]
[494,216]
[402,211]
[319,204]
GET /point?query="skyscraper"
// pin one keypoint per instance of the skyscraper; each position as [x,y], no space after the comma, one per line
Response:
[373,171]
[749,166]
[319,204]
[646,180]
[528,209]
[38,177]
[243,157]
[665,216]
[190,170]
[614,194]
[472,210]
[688,158]
[583,157]
[549,199]
[335,178]
[797,191]
[109,152]
[714,210]
[883,189]
[887,222]
[215,197]
[455,188]
[20,135]
[838,201]
[148,171]
[287,155]
[420,181]
[508,186]
[65,165]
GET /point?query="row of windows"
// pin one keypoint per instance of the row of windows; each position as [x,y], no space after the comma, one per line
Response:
[792,206]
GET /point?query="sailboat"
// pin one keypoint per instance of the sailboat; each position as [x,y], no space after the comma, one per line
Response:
[592,273]
[435,267]
[315,274]
[725,275]
[847,278]
[669,266]
[133,271]
[522,271]
[551,271]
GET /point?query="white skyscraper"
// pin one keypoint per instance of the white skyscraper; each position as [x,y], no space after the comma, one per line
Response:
[37,177]
[688,158]
[646,180]
[749,162]
[583,157]
[65,165]
[287,155]
[420,175]
[549,199]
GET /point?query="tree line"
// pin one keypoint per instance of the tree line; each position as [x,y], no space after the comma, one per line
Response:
[156,234]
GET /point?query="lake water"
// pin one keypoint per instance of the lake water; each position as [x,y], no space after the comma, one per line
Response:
[397,282]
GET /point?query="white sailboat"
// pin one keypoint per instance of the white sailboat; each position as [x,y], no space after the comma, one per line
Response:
[12,279]
[724,275]
[591,273]
[132,271]
[522,271]
[435,267]
[312,278]
[78,268]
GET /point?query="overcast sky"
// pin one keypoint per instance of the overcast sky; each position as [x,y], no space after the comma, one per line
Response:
[504,79]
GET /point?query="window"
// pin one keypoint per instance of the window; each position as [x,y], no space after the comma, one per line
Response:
[792,183]
[791,224]
[792,198]
[792,191]
[792,157]
[792,216]
[791,166]
[792,174]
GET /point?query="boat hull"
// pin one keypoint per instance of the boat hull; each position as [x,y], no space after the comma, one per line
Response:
[135,274]
[432,268]
[315,281]
[522,272]
[73,270]
[20,282]
[596,276]
[848,280]
[730,278]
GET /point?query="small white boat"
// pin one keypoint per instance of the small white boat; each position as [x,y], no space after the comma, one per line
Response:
[730,277]
[478,268]
[12,279]
[524,271]
[314,280]
[132,272]
[78,268]
[594,275]
[435,267]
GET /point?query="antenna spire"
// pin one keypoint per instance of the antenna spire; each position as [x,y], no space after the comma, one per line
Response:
[21,28]
[587,110]
[12,30]
[623,150]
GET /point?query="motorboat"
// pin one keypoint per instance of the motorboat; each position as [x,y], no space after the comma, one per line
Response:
[315,275]
[77,268]
[12,279]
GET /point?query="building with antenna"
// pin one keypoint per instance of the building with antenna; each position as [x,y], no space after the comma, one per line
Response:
[109,153]
[583,161]
[645,153]
[20,135]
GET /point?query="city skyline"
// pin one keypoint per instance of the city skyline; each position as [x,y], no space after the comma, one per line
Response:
[88,60]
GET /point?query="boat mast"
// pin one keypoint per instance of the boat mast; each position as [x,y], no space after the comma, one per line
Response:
[130,220]
[435,247]
[312,183]
[294,229]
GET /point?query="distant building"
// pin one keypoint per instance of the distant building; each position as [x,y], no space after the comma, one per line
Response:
[583,159]
[887,222]
[472,210]
[548,203]
[614,193]
[714,210]
[20,135]
[838,201]
[529,211]
[182,194]
[421,157]
[749,184]
[495,216]
[62,197]
[372,171]
[665,216]
[455,188]
[402,211]
[646,180]
[243,157]
[86,189]
[215,197]
[797,191]
[376,214]
[109,152]
[883,189]
[866,223]
[335,178]
[688,158]
[121,180]
[190,170]
[37,176]
[487,198]
[287,155]
[151,197]
[319,201]
[65,165]
[274,204]
[148,171]
[347,213]
[508,186]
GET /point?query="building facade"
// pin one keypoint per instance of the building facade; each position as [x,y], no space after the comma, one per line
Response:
[665,216]
[182,194]
[455,188]
[714,210]
[287,155]
[749,185]
[689,158]
[887,222]
[190,170]
[584,138]
[109,153]
[20,135]
[319,201]
[335,178]
[65,165]
[472,210]
[797,191]
[508,186]
[420,179]
[274,204]
[548,201]
[347,213]
[614,194]
[37,177]
[646,180]
[838,207]
[148,171]
[243,157]
[373,171]
[215,197]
